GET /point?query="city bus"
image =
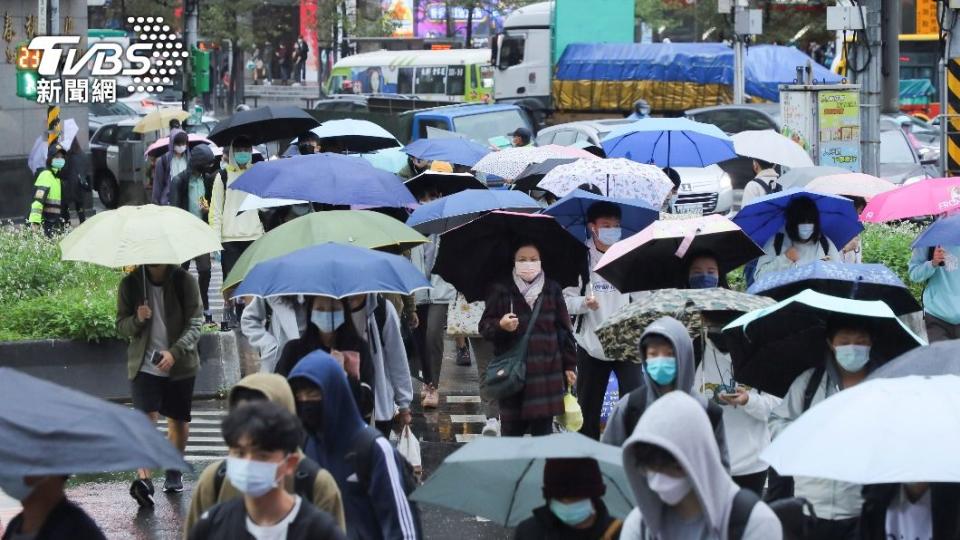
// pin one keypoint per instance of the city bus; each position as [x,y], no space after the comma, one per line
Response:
[454,75]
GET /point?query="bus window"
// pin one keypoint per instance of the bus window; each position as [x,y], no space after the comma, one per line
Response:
[486,77]
[405,80]
[475,77]
[456,80]
[430,80]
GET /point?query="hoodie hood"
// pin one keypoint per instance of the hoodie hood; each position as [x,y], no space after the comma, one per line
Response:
[274,386]
[678,424]
[673,331]
[201,157]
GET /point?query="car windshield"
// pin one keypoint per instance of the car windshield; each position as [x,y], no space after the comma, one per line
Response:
[481,127]
[894,148]
[111,109]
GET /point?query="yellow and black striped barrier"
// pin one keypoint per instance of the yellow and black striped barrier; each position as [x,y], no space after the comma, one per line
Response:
[953,112]
[53,125]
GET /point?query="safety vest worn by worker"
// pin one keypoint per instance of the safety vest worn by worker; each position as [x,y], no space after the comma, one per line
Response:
[46,198]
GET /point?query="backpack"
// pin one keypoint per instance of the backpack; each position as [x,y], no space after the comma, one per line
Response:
[637,404]
[303,481]
[796,515]
[778,243]
[781,487]
[766,187]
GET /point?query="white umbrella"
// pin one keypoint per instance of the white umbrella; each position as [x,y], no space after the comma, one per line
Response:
[768,145]
[619,178]
[253,202]
[880,431]
[510,162]
[851,185]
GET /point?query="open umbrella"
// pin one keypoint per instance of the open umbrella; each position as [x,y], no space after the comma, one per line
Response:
[510,162]
[764,216]
[857,281]
[326,178]
[534,173]
[653,258]
[445,183]
[851,185]
[501,478]
[772,147]
[159,120]
[445,213]
[880,431]
[263,124]
[361,228]
[49,429]
[474,256]
[670,142]
[389,159]
[355,135]
[929,197]
[938,358]
[162,146]
[333,270]
[801,176]
[620,333]
[944,232]
[770,347]
[454,150]
[619,178]
[571,213]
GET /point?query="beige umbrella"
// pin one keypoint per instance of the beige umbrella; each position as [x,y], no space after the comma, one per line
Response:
[158,120]
[851,185]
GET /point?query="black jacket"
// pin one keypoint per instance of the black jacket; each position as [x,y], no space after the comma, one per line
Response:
[944,507]
[228,521]
[200,158]
[545,526]
[66,520]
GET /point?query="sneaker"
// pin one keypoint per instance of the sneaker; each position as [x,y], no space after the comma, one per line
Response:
[432,398]
[173,482]
[142,491]
[463,356]
[491,428]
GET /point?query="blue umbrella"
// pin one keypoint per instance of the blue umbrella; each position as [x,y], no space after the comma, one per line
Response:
[571,213]
[764,216]
[332,270]
[454,150]
[388,159]
[943,232]
[445,213]
[326,178]
[670,142]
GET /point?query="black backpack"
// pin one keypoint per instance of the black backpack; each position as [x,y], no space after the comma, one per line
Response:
[778,243]
[303,480]
[766,187]
[781,487]
[796,515]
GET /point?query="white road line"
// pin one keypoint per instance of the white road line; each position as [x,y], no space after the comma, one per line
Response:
[463,399]
[467,437]
[468,418]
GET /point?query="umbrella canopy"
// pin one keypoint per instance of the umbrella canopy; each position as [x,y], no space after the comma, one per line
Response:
[535,172]
[929,197]
[851,185]
[944,232]
[475,255]
[252,202]
[326,178]
[263,124]
[801,176]
[619,178]
[162,146]
[670,142]
[505,476]
[938,358]
[158,120]
[858,281]
[361,228]
[571,213]
[772,147]
[138,235]
[388,159]
[764,217]
[653,259]
[770,347]
[355,135]
[878,432]
[335,271]
[454,150]
[620,333]
[49,429]
[510,162]
[445,183]
[446,213]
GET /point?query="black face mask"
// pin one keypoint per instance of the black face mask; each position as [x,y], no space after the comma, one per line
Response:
[306,149]
[311,415]
[716,337]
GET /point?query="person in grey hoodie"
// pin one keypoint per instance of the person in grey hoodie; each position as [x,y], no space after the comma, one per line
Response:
[272,322]
[681,488]
[668,365]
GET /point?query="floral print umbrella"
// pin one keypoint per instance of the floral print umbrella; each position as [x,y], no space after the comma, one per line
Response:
[619,178]
[510,162]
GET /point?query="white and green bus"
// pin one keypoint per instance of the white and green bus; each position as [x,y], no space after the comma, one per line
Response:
[455,75]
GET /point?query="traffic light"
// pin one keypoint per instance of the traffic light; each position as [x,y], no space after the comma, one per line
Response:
[27,61]
[200,71]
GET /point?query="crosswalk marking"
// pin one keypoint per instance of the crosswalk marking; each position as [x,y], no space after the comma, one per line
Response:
[467,437]
[468,418]
[463,399]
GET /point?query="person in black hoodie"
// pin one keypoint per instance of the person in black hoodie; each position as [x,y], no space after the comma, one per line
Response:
[910,511]
[47,514]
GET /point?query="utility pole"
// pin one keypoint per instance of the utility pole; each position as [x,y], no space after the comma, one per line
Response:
[746,23]
[950,91]
[891,57]
[54,14]
[191,12]
[870,90]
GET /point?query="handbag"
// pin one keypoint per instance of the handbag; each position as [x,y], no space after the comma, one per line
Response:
[463,318]
[507,373]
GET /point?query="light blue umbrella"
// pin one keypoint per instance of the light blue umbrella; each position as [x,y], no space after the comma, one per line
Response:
[943,232]
[453,150]
[571,213]
[501,478]
[670,142]
[764,216]
[388,159]
[445,213]
[355,135]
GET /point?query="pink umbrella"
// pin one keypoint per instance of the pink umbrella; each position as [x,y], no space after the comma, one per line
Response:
[161,146]
[851,185]
[929,197]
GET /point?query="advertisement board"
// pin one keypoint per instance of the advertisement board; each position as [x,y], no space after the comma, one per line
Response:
[838,118]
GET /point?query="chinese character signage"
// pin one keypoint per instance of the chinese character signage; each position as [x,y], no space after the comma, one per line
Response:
[839,125]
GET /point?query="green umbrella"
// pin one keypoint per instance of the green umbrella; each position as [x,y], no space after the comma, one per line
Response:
[362,228]
[621,332]
[501,478]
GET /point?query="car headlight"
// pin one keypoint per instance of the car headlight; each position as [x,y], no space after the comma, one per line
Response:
[725,182]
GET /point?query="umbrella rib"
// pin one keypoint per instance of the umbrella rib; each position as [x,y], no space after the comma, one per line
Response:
[516,487]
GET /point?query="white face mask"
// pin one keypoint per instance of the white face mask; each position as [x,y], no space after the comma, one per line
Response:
[180,148]
[250,477]
[528,270]
[671,490]
[805,231]
[852,358]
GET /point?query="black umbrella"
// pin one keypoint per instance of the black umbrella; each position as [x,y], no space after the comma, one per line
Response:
[48,429]
[535,172]
[264,124]
[939,358]
[445,183]
[475,255]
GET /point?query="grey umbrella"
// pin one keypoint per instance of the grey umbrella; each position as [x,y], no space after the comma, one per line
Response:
[801,176]
[49,429]
[939,358]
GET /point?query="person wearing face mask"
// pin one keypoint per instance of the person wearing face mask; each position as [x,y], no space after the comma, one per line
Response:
[668,366]
[308,143]
[591,304]
[48,193]
[551,357]
[848,362]
[801,240]
[263,438]
[702,271]
[47,513]
[918,510]
[680,485]
[270,323]
[175,161]
[573,489]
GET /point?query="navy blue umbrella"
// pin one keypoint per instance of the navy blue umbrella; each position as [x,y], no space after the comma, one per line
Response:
[326,178]
[764,216]
[445,213]
[943,232]
[571,213]
[453,150]
[444,182]
[332,270]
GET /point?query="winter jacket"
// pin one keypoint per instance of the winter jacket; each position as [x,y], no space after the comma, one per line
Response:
[288,321]
[161,173]
[392,387]
[423,256]
[544,525]
[944,510]
[326,495]
[66,520]
[676,422]
[586,320]
[376,511]
[200,158]
[182,316]
[753,190]
[808,252]
[225,218]
[228,521]
[941,295]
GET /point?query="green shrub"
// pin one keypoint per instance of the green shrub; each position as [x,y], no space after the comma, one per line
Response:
[889,244]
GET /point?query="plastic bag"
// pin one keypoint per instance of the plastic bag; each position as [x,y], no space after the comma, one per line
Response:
[572,417]
[409,448]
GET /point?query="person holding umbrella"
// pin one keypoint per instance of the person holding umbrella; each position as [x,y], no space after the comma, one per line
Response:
[47,513]
[702,271]
[800,241]
[938,268]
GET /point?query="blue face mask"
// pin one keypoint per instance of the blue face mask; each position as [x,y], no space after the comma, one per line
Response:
[852,358]
[242,158]
[573,513]
[609,235]
[663,370]
[14,487]
[58,163]
[327,321]
[703,281]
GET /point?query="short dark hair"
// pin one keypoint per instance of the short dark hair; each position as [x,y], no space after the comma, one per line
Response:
[181,138]
[838,323]
[269,426]
[652,456]
[524,242]
[654,339]
[603,209]
[308,137]
[673,175]
[763,164]
[802,210]
[241,141]
[173,123]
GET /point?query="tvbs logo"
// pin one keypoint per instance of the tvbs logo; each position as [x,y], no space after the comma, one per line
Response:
[60,55]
